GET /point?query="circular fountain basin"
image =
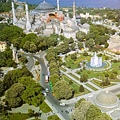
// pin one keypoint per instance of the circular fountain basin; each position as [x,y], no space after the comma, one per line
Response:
[91,67]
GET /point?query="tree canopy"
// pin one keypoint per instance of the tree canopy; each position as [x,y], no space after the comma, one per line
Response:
[62,90]
[13,95]
[86,111]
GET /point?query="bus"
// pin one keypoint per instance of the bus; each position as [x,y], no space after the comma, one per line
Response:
[46,78]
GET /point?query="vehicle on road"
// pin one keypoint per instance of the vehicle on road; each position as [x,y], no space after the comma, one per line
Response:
[62,104]
[44,93]
[47,90]
[46,78]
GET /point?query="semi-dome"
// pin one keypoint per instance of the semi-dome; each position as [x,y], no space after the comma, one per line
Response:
[20,7]
[106,99]
[44,7]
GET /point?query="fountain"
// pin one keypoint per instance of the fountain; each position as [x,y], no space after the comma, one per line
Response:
[96,61]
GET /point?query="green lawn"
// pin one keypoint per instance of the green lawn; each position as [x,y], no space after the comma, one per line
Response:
[90,86]
[63,69]
[74,76]
[17,116]
[75,64]
[118,96]
[92,74]
[53,117]
[96,82]
[75,87]
[45,108]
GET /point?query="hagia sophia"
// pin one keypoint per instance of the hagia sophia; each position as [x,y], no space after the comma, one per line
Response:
[45,19]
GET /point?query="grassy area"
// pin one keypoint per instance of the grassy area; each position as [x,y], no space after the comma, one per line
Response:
[16,116]
[90,86]
[73,64]
[45,108]
[74,76]
[92,74]
[115,80]
[63,69]
[53,117]
[118,96]
[116,66]
[75,87]
[96,82]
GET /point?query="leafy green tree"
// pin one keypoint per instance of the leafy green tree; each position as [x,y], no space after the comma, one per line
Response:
[1,88]
[6,59]
[62,90]
[33,91]
[103,116]
[74,57]
[54,78]
[12,33]
[81,89]
[16,42]
[89,43]
[80,111]
[73,46]
[80,45]
[79,102]
[92,112]
[84,77]
[30,47]
[13,95]
[29,37]
[80,36]
[2,25]
[12,76]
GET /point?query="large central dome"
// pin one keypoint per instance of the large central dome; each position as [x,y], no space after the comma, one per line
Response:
[44,7]
[106,99]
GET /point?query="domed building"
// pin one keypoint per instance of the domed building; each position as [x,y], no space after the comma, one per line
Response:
[44,7]
[106,99]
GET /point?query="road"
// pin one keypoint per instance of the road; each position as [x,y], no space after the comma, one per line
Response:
[60,110]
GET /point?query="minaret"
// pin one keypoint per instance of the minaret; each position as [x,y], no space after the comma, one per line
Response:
[28,25]
[74,10]
[13,11]
[58,6]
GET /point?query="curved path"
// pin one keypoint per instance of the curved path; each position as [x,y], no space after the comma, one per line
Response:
[52,101]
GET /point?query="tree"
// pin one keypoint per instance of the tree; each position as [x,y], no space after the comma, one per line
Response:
[74,57]
[1,88]
[12,76]
[62,90]
[13,95]
[84,77]
[80,111]
[12,33]
[29,37]
[33,91]
[79,102]
[103,116]
[80,45]
[81,89]
[92,112]
[89,43]
[80,36]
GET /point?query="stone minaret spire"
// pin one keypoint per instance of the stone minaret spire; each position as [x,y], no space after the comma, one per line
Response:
[13,12]
[74,10]
[28,25]
[58,6]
